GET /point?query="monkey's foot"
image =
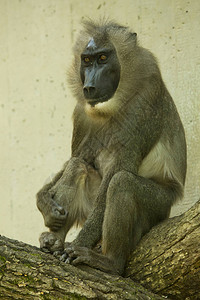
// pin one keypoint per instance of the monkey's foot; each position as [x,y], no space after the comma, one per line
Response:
[76,255]
[49,242]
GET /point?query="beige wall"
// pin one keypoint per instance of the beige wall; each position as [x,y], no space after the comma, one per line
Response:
[35,50]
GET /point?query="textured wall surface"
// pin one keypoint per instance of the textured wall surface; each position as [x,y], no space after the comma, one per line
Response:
[36,106]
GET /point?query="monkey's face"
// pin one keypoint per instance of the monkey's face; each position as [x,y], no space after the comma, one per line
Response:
[100,72]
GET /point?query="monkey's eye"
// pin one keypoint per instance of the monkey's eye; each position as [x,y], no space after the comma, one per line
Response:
[102,57]
[86,59]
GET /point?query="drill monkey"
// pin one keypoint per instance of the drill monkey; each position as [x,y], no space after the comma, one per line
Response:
[128,162]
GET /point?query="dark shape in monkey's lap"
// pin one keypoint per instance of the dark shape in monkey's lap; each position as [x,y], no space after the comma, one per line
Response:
[128,161]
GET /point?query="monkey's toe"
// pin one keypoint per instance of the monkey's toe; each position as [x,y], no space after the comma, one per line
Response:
[58,253]
[63,257]
[49,242]
[66,258]
[46,250]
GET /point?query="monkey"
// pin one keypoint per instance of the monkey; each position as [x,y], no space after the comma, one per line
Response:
[128,161]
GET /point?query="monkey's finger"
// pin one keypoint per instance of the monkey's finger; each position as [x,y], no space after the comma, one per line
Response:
[55,227]
[46,250]
[58,253]
[58,222]
[61,210]
[69,250]
[79,254]
[73,254]
[57,217]
[56,212]
[64,257]
[79,260]
[69,260]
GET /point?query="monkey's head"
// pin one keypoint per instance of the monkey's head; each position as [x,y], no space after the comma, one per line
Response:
[105,69]
[99,71]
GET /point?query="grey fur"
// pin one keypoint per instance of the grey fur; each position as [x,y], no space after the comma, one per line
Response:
[128,162]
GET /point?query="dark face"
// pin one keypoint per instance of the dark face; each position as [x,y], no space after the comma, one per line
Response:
[100,73]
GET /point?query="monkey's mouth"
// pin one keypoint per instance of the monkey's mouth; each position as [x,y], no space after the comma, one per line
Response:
[94,102]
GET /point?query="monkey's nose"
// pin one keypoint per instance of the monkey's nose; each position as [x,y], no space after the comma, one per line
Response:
[89,91]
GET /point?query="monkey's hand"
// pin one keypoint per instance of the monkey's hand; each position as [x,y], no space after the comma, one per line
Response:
[56,217]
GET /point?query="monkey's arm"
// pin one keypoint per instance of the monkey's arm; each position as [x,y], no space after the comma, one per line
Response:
[54,214]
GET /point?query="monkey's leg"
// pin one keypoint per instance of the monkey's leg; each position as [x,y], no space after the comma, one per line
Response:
[133,205]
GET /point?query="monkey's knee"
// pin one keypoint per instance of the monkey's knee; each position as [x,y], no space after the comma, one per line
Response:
[121,182]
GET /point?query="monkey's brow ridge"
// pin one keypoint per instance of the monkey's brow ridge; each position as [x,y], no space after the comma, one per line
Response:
[97,51]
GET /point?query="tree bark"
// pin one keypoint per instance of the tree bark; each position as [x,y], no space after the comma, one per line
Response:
[28,273]
[167,262]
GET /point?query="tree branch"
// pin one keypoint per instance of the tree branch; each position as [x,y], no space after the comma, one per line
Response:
[28,273]
[167,262]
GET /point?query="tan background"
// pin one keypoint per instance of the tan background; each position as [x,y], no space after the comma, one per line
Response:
[36,107]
